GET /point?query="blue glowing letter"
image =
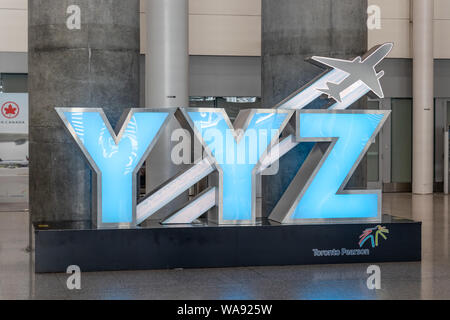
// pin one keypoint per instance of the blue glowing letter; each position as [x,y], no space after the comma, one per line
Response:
[319,185]
[236,154]
[115,159]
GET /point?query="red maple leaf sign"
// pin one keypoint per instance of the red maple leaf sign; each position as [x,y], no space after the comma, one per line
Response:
[10,110]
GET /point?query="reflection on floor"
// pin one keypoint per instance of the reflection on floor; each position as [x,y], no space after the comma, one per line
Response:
[429,279]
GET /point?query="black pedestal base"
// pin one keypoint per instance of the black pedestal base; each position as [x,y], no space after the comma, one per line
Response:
[206,246]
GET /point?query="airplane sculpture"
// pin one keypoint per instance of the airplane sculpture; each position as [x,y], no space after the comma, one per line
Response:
[357,70]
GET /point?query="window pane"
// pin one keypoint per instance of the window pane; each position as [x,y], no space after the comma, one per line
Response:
[401,120]
[373,155]
[14,83]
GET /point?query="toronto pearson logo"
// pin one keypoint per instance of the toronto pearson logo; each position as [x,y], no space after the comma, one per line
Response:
[10,110]
[373,234]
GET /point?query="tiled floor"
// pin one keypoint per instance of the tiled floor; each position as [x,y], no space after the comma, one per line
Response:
[429,279]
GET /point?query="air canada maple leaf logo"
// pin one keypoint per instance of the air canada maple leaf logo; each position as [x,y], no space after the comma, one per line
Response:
[10,110]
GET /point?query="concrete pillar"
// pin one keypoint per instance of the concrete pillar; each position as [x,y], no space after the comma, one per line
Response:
[167,83]
[91,64]
[423,96]
[293,30]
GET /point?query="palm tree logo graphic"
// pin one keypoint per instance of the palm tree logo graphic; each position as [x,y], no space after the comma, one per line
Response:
[372,234]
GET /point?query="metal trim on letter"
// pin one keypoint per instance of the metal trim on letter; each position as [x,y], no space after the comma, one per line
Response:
[122,124]
[286,206]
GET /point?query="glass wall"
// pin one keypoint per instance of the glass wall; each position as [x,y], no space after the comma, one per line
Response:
[448,113]
[373,155]
[401,141]
[13,82]
[232,105]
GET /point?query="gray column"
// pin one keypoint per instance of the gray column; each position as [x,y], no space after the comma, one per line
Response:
[167,77]
[293,30]
[423,93]
[92,67]
[167,60]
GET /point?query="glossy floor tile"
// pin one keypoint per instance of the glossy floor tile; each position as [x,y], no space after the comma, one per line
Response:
[429,279]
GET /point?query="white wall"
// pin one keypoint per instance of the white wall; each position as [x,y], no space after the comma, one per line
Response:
[217,27]
[441,29]
[396,26]
[13,26]
[233,27]
[220,27]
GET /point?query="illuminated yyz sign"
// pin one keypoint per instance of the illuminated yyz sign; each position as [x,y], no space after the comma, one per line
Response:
[235,154]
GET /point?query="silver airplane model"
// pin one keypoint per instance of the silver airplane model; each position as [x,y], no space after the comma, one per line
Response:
[360,69]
